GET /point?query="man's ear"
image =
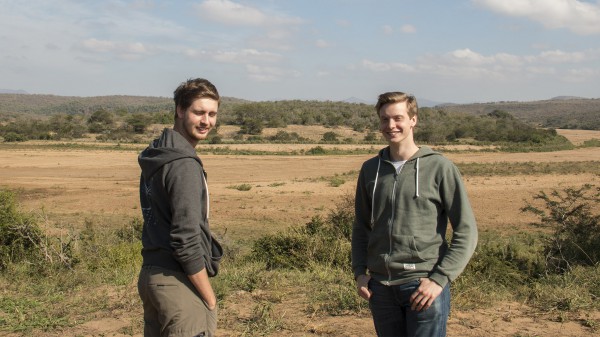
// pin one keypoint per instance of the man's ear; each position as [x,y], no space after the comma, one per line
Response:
[179,112]
[414,120]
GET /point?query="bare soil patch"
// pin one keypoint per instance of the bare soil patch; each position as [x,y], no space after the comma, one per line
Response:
[577,137]
[73,185]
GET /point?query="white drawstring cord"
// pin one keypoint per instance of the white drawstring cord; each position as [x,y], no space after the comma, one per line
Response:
[373,197]
[417,178]
[207,196]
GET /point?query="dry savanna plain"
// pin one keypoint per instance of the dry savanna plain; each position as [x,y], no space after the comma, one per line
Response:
[69,185]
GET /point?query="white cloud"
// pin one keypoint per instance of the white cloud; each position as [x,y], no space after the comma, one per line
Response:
[509,59]
[541,70]
[232,13]
[581,75]
[322,43]
[343,23]
[127,51]
[269,74]
[98,46]
[467,57]
[408,29]
[575,15]
[382,66]
[466,63]
[559,56]
[243,56]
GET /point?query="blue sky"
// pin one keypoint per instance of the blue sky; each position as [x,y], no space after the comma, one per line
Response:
[446,51]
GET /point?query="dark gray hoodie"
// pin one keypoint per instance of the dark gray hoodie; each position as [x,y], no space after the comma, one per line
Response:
[175,206]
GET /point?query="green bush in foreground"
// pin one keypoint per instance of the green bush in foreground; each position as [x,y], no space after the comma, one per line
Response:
[20,236]
[576,229]
[322,241]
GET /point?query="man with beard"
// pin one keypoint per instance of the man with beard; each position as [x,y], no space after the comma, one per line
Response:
[179,252]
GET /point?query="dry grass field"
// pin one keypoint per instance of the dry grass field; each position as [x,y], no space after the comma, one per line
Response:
[70,186]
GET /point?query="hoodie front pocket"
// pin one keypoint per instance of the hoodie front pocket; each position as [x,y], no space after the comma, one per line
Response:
[404,249]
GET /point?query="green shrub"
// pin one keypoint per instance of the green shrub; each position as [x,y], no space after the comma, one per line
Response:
[336,181]
[317,150]
[111,252]
[372,137]
[591,143]
[330,137]
[241,187]
[334,292]
[321,241]
[14,137]
[576,228]
[20,235]
[287,137]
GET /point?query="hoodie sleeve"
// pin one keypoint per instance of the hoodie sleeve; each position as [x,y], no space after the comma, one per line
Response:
[361,227]
[464,236]
[184,185]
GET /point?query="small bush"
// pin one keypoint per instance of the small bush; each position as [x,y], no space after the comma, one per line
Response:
[330,136]
[336,181]
[20,235]
[335,293]
[591,143]
[576,229]
[317,150]
[320,241]
[14,137]
[241,187]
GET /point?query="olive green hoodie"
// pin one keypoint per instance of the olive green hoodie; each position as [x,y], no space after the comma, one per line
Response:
[401,220]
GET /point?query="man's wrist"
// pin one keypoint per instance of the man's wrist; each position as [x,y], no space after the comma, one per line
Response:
[359,276]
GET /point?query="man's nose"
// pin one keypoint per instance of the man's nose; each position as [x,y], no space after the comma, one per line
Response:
[390,123]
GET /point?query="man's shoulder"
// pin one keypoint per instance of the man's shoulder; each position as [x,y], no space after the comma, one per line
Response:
[371,162]
[184,166]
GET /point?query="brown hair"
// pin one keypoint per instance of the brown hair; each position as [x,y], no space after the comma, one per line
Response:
[398,97]
[189,91]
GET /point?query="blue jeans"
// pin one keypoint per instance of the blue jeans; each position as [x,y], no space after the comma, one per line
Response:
[392,315]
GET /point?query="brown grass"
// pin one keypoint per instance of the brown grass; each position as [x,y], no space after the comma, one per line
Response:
[72,185]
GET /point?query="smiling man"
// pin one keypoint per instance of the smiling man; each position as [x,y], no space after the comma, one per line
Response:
[179,252]
[404,198]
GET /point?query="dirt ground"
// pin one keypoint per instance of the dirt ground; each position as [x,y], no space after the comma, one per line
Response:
[69,186]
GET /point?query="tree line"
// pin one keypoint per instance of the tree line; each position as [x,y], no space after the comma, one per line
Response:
[436,125]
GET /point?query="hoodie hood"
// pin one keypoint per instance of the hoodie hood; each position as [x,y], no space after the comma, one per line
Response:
[423,151]
[384,155]
[169,147]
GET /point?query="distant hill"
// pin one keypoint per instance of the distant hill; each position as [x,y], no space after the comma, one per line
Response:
[563,112]
[423,102]
[426,103]
[356,100]
[13,105]
[11,91]
[562,98]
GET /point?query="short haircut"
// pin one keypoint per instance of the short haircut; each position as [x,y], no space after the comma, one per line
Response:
[398,97]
